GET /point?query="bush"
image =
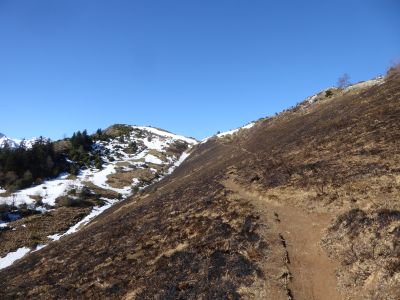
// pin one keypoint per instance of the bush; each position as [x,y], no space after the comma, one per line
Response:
[73,169]
[39,202]
[98,162]
[135,189]
[328,93]
[85,193]
[4,208]
[65,201]
[132,147]
[72,192]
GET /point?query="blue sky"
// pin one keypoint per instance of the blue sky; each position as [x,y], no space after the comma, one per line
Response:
[192,67]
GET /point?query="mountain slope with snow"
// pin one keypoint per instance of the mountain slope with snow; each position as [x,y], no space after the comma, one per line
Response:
[14,143]
[302,205]
[133,158]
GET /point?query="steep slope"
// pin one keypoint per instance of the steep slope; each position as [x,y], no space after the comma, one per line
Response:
[274,211]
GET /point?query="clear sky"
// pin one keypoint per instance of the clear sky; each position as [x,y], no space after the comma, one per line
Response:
[191,67]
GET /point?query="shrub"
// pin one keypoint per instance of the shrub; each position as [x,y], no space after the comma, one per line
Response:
[38,202]
[65,201]
[132,147]
[85,193]
[72,192]
[135,189]
[73,169]
[4,208]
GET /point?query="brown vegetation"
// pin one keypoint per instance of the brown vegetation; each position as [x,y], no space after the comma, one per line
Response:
[335,160]
[33,230]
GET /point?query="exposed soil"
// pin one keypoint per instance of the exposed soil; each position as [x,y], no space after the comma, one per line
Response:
[311,274]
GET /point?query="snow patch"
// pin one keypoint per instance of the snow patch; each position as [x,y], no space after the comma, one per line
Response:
[152,159]
[181,159]
[230,132]
[49,191]
[11,257]
[38,247]
[167,134]
[97,210]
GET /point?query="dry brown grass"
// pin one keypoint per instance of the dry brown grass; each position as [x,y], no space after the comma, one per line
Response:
[339,154]
[38,227]
[124,179]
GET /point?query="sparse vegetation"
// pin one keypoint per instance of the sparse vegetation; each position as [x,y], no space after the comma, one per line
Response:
[84,198]
[118,130]
[368,244]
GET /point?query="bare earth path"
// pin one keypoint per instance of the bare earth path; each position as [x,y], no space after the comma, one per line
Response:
[312,273]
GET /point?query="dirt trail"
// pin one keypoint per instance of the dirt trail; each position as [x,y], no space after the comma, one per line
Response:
[312,273]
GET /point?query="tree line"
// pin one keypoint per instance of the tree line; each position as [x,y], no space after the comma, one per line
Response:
[22,167]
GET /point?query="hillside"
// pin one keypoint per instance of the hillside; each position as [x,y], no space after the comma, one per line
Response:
[132,158]
[304,205]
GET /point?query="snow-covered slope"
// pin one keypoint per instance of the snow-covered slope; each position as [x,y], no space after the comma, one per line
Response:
[230,132]
[5,141]
[132,160]
[13,143]
[144,155]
